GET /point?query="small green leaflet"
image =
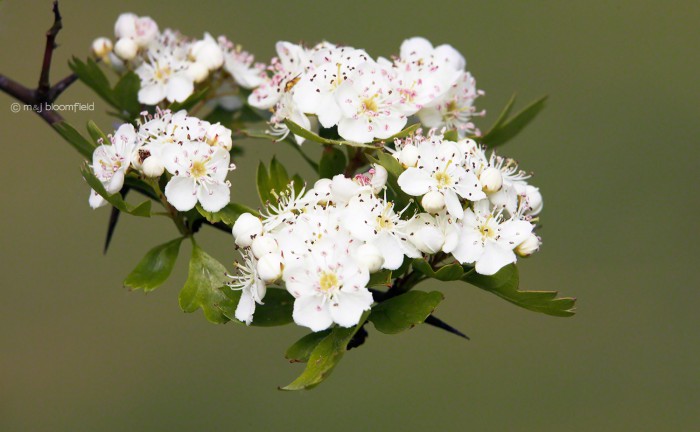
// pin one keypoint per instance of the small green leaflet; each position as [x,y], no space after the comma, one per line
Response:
[226,215]
[504,130]
[203,288]
[84,146]
[155,267]
[325,356]
[404,311]
[505,285]
[302,349]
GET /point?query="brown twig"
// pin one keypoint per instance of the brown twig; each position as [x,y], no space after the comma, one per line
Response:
[44,94]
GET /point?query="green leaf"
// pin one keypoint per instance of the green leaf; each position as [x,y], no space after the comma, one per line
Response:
[263,184]
[279,179]
[126,94]
[445,273]
[155,267]
[451,135]
[507,129]
[325,357]
[404,311]
[203,287]
[302,349]
[96,133]
[333,162]
[381,278]
[505,285]
[227,215]
[92,76]
[404,133]
[143,209]
[74,138]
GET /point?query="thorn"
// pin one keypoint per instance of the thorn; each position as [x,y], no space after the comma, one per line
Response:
[437,322]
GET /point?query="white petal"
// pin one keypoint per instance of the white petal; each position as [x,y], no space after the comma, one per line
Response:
[96,200]
[454,207]
[179,88]
[415,181]
[385,127]
[514,232]
[391,251]
[356,130]
[152,94]
[469,248]
[245,308]
[329,112]
[181,193]
[311,312]
[347,307]
[214,197]
[493,259]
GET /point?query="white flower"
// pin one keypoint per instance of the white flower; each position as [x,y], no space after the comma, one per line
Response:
[425,235]
[240,64]
[487,240]
[454,109]
[143,30]
[369,256]
[315,91]
[373,220]
[328,286]
[207,52]
[110,162]
[441,169]
[199,174]
[270,267]
[246,228]
[218,135]
[252,287]
[369,105]
[264,244]
[126,48]
[164,76]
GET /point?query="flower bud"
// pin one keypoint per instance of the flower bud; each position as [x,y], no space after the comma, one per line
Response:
[101,47]
[218,135]
[263,244]
[369,256]
[126,48]
[197,72]
[246,228]
[270,267]
[433,202]
[343,189]
[529,246]
[207,52]
[409,155]
[428,239]
[491,179]
[379,178]
[534,199]
[322,191]
[152,167]
[125,26]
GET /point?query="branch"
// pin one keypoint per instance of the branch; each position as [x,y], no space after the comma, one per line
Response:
[44,94]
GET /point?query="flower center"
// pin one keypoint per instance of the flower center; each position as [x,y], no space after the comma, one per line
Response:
[161,73]
[489,229]
[443,179]
[370,105]
[198,169]
[384,220]
[328,281]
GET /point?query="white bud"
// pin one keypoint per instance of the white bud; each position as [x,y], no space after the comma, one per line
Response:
[246,228]
[207,52]
[152,166]
[101,47]
[218,135]
[534,199]
[197,72]
[125,25]
[343,189]
[491,179]
[141,29]
[379,178]
[369,256]
[263,244]
[409,155]
[428,239]
[529,246]
[126,48]
[270,267]
[433,202]
[321,191]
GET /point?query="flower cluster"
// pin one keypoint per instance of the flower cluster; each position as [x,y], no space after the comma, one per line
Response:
[368,99]
[323,244]
[195,154]
[170,64]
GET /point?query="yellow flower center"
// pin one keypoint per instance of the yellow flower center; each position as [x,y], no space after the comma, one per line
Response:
[328,281]
[198,169]
[370,104]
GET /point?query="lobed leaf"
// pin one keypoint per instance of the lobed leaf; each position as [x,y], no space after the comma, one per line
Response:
[505,285]
[404,311]
[155,267]
[202,289]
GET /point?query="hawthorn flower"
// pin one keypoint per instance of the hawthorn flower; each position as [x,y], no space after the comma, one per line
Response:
[370,108]
[252,287]
[142,30]
[487,239]
[328,286]
[199,174]
[207,52]
[441,169]
[164,76]
[455,108]
[110,162]
[373,220]
[240,64]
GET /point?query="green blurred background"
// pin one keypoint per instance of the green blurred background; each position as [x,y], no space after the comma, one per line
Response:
[614,153]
